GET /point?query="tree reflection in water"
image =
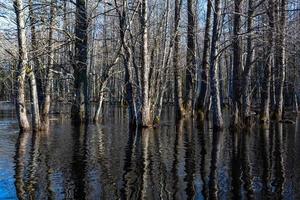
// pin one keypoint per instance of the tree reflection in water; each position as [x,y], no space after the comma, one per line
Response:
[182,161]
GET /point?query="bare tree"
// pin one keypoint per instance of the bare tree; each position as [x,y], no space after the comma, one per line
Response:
[23,63]
[215,90]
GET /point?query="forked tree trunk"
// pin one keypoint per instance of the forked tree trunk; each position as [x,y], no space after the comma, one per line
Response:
[80,107]
[215,91]
[23,63]
[200,101]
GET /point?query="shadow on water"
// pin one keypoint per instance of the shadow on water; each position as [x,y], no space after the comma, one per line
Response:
[186,160]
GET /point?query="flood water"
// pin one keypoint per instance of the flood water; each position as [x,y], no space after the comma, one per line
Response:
[174,161]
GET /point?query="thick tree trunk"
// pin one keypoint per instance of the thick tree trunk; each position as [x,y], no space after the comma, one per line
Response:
[248,67]
[237,64]
[200,101]
[280,61]
[266,83]
[36,121]
[23,63]
[145,68]
[215,91]
[177,78]
[80,107]
[190,58]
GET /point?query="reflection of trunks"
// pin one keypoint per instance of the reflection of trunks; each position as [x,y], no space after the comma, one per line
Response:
[183,160]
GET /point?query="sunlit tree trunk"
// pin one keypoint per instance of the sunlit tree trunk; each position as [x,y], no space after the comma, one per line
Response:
[200,101]
[145,68]
[23,63]
[215,91]
[80,107]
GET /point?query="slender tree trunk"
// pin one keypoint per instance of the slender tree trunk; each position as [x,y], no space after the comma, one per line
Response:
[237,63]
[49,75]
[23,63]
[280,61]
[200,102]
[190,58]
[266,83]
[177,79]
[36,61]
[80,107]
[248,67]
[215,91]
[145,68]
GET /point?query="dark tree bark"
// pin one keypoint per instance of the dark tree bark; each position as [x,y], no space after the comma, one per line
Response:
[200,101]
[80,107]
[248,67]
[190,58]
[237,63]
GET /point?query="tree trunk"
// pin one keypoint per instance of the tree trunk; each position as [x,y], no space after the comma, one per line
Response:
[280,61]
[248,67]
[145,68]
[80,107]
[36,61]
[190,58]
[177,79]
[47,98]
[23,63]
[215,91]
[266,83]
[200,101]
[237,63]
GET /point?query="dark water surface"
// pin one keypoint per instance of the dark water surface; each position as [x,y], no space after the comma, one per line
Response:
[110,161]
